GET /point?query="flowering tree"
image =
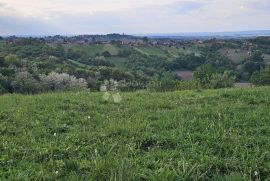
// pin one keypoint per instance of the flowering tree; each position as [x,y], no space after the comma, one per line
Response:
[62,81]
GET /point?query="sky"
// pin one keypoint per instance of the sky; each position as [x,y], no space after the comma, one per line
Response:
[69,17]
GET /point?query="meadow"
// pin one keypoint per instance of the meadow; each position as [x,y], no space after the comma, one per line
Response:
[183,135]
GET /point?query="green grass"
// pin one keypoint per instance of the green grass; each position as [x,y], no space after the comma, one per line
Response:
[149,50]
[189,135]
[175,51]
[92,50]
[78,63]
[119,62]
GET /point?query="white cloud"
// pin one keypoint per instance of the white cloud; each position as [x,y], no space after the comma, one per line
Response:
[133,16]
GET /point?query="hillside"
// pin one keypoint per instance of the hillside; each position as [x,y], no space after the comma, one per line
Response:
[28,64]
[189,135]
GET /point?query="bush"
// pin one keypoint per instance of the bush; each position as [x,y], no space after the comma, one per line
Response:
[203,75]
[261,77]
[25,83]
[3,84]
[221,81]
[106,54]
[208,78]
[62,81]
[167,82]
[13,60]
[187,85]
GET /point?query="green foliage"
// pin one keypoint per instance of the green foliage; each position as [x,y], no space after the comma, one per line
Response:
[2,62]
[106,54]
[222,80]
[13,60]
[187,135]
[262,77]
[25,83]
[133,61]
[203,74]
[7,71]
[62,81]
[207,77]
[190,62]
[257,56]
[4,85]
[145,39]
[187,85]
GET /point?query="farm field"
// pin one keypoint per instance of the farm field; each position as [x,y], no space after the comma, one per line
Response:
[184,135]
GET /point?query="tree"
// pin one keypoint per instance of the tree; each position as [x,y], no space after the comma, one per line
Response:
[62,81]
[208,78]
[167,81]
[257,56]
[222,80]
[203,74]
[261,77]
[2,62]
[12,60]
[106,54]
[3,84]
[145,39]
[25,83]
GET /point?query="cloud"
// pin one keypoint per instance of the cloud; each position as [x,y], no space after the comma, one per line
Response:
[184,7]
[131,16]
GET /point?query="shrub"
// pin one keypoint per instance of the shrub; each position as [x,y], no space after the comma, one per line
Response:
[187,85]
[167,82]
[208,78]
[13,60]
[221,81]
[261,77]
[3,84]
[62,81]
[203,74]
[25,83]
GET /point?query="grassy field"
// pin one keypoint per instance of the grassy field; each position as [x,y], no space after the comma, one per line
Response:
[92,50]
[148,50]
[188,135]
[166,51]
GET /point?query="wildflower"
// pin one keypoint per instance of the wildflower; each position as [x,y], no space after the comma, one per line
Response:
[56,172]
[88,117]
[106,96]
[256,173]
[103,88]
[54,134]
[117,98]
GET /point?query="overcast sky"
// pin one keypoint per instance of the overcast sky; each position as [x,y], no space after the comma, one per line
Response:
[43,17]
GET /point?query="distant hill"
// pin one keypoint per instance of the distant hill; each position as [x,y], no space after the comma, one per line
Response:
[209,35]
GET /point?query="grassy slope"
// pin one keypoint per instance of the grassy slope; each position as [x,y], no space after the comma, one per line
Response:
[185,135]
[166,51]
[92,50]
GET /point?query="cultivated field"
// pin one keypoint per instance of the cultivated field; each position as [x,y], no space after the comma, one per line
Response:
[189,135]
